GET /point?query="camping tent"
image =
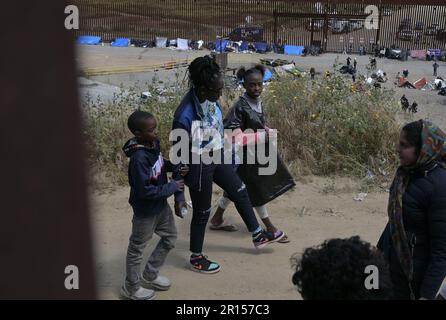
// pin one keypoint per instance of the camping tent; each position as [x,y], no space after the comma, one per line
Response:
[161,42]
[88,40]
[403,82]
[294,50]
[261,47]
[220,45]
[120,42]
[419,84]
[418,54]
[182,44]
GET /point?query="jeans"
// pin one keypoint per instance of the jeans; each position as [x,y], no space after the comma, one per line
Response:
[162,224]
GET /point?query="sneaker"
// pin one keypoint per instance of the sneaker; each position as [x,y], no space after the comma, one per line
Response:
[264,238]
[140,294]
[160,283]
[202,264]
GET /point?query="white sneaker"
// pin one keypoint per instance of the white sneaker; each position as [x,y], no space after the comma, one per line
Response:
[160,283]
[140,294]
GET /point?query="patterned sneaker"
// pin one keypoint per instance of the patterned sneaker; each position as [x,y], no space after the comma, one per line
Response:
[263,238]
[203,265]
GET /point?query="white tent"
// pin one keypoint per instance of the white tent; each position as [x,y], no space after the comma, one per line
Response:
[182,44]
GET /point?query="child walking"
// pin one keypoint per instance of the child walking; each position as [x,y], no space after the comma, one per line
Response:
[149,190]
[248,113]
[200,107]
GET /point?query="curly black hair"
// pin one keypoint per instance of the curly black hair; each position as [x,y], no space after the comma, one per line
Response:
[203,70]
[242,73]
[335,270]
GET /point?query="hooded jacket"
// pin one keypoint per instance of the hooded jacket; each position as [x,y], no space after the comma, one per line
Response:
[149,187]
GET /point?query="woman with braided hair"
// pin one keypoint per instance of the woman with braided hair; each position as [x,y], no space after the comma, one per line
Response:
[200,109]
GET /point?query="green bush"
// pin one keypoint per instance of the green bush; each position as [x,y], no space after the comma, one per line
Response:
[324,127]
[328,127]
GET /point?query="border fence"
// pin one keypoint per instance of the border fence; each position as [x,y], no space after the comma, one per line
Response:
[333,25]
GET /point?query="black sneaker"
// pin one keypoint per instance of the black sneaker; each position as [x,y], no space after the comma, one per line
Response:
[264,238]
[202,264]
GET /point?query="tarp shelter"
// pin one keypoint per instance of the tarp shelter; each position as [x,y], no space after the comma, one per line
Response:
[220,46]
[418,54]
[403,82]
[121,42]
[141,43]
[435,52]
[294,50]
[261,47]
[182,44]
[161,42]
[419,84]
[88,40]
[243,46]
[268,75]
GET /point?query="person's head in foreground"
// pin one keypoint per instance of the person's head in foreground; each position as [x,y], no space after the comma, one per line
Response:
[338,270]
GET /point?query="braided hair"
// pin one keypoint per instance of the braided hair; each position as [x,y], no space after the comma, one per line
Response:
[202,71]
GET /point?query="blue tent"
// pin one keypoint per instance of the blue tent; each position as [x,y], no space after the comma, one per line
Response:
[121,42]
[221,46]
[268,75]
[244,46]
[261,47]
[294,50]
[88,40]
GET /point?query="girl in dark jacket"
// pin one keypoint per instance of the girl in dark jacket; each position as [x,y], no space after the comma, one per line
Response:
[414,240]
[248,114]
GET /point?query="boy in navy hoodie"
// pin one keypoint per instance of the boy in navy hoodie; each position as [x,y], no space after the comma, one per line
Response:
[149,190]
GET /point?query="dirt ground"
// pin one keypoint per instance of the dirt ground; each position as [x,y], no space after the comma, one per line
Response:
[316,210]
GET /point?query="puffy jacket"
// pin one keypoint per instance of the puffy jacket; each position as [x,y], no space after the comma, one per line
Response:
[424,218]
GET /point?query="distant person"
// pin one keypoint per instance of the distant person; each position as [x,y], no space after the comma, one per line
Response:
[405,73]
[355,63]
[435,66]
[336,270]
[312,73]
[149,190]
[348,61]
[414,240]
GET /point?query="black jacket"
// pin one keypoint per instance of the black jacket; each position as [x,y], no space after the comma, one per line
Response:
[261,188]
[424,218]
[149,187]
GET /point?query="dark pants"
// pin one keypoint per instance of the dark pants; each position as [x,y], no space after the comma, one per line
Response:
[225,177]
